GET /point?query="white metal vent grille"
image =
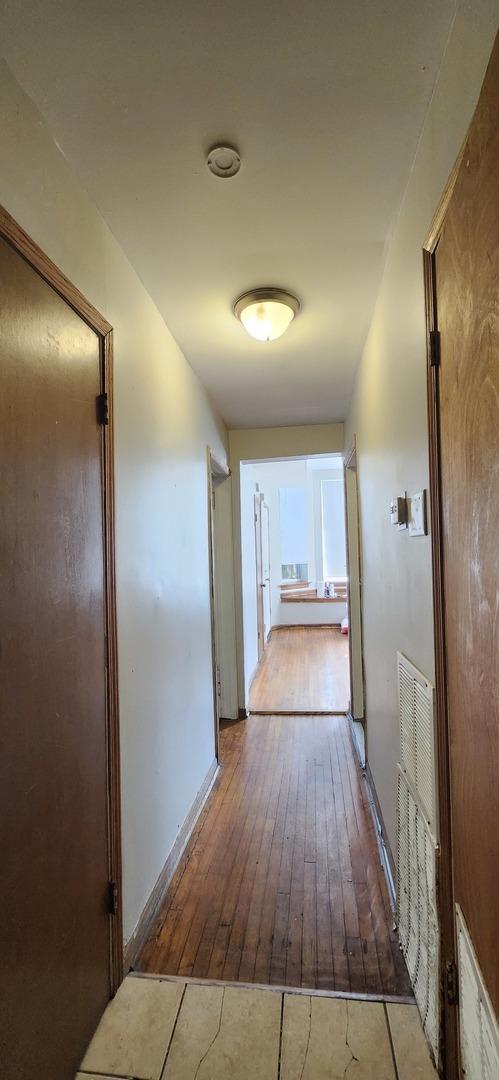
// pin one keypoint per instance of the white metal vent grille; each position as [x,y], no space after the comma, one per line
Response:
[417,739]
[479,1030]
[417,907]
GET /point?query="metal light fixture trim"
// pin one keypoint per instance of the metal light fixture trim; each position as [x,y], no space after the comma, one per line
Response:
[257,299]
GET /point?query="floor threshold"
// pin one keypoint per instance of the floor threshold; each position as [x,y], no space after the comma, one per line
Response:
[392,999]
[297,712]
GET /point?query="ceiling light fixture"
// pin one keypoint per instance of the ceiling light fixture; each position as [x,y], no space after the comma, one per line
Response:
[266,313]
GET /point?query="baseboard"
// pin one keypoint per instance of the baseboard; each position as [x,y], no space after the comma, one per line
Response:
[143,927]
[381,836]
[351,723]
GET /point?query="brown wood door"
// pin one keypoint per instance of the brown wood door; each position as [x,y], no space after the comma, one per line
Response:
[466,284]
[54,927]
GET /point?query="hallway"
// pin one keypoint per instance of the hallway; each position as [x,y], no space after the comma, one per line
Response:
[167,1029]
[281,882]
[304,669]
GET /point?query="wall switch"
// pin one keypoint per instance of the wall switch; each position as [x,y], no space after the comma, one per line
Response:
[398,511]
[417,514]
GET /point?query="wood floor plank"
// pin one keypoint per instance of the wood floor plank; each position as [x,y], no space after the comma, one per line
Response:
[133,1036]
[324,1039]
[282,882]
[303,669]
[224,1032]
[409,1044]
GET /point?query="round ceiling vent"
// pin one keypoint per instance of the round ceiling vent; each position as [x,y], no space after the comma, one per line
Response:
[224,161]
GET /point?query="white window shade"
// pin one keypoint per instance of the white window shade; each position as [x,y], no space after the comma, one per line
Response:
[333,529]
[293,524]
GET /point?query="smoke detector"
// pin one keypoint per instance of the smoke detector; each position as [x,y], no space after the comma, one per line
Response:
[223,161]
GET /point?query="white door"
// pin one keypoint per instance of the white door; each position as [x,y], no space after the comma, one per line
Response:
[267,599]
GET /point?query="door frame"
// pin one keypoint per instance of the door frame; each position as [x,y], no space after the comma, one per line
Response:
[448,950]
[211,466]
[18,239]
[349,458]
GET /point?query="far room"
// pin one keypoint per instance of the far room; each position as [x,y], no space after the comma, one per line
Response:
[295,585]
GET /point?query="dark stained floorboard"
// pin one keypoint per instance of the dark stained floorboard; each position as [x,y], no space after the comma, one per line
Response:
[281,882]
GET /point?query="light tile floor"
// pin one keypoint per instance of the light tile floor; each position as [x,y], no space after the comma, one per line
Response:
[171,1029]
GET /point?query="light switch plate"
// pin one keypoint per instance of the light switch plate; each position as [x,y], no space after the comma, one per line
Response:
[417,514]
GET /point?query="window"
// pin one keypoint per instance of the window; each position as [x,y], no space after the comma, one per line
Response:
[294,571]
[333,529]
[293,525]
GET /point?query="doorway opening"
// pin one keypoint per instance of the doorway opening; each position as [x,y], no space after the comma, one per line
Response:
[294,572]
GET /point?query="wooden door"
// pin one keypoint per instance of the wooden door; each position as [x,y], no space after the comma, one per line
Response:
[56,803]
[463,304]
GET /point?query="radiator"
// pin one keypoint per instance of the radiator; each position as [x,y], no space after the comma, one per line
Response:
[417,848]
[479,1030]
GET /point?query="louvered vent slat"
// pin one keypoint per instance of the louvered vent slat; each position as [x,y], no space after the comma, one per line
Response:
[417,743]
[416,906]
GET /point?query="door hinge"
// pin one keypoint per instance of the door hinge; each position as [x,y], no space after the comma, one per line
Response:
[102,409]
[451,983]
[112,897]
[434,348]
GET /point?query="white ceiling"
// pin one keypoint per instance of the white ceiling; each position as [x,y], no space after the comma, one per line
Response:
[325,101]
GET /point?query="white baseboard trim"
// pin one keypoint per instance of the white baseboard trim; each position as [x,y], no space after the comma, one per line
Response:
[153,904]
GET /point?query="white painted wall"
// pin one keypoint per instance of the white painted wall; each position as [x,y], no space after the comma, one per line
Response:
[388,411]
[163,425]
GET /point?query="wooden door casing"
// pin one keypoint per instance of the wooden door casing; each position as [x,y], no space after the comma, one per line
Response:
[354,570]
[61,949]
[462,291]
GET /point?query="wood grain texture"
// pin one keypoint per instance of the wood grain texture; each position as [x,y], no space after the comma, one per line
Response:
[59,664]
[467,302]
[281,883]
[34,255]
[134,1034]
[226,1032]
[412,1054]
[304,669]
[324,1039]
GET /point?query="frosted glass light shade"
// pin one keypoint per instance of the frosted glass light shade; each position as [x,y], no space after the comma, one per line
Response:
[266,313]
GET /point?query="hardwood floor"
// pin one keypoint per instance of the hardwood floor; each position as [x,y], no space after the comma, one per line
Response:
[303,669]
[185,1030]
[281,882]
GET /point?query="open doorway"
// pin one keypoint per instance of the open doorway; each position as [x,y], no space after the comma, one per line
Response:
[295,610]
